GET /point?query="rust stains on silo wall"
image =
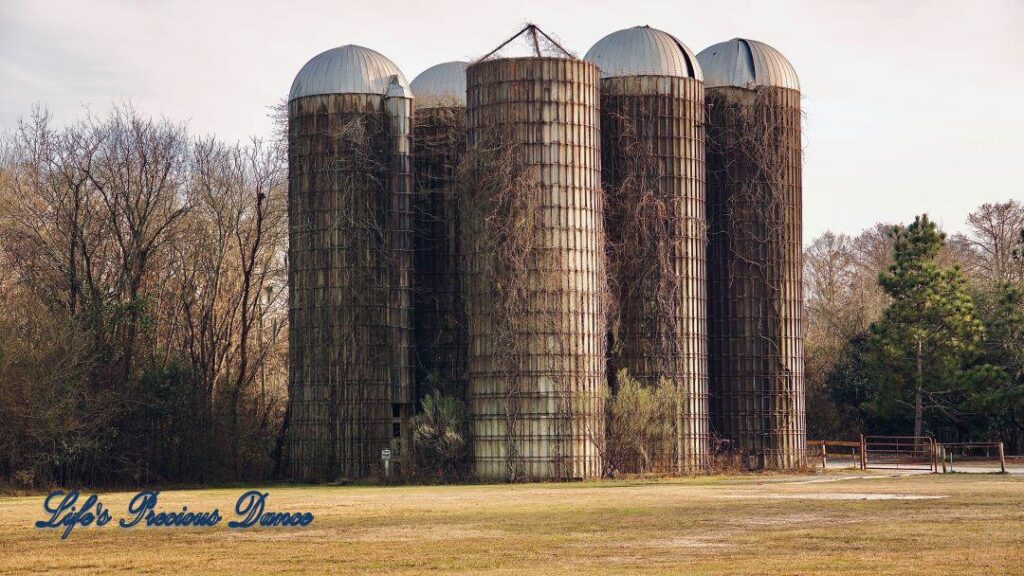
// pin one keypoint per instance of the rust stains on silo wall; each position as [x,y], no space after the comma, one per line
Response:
[653,171]
[755,254]
[439,143]
[533,239]
[350,257]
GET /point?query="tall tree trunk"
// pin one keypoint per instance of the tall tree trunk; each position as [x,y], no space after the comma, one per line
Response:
[918,384]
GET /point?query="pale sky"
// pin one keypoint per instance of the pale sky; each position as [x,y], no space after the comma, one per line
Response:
[911,106]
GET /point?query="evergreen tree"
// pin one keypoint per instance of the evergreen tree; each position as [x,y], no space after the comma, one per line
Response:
[999,392]
[923,345]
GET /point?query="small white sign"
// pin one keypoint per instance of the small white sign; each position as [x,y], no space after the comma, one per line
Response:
[385,454]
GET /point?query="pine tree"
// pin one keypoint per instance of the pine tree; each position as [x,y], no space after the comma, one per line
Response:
[924,343]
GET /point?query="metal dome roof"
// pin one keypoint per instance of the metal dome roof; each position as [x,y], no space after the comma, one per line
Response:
[347,69]
[746,64]
[643,51]
[441,84]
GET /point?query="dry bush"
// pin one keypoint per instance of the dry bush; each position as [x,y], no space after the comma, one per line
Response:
[640,425]
[725,457]
[441,439]
[53,424]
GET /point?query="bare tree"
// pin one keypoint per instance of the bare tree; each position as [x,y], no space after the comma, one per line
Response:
[163,259]
[993,232]
[135,170]
[829,279]
[230,276]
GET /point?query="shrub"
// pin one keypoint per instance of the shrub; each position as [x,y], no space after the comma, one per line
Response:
[440,438]
[639,432]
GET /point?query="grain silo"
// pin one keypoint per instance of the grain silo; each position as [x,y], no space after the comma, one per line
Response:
[754,217]
[349,265]
[534,247]
[438,145]
[652,167]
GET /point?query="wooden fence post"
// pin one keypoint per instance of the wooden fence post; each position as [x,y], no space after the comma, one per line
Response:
[863,456]
[1002,459]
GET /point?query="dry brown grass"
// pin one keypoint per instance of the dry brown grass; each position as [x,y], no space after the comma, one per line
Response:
[717,525]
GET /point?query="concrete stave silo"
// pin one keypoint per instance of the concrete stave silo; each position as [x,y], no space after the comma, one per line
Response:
[652,149]
[755,252]
[534,252]
[438,147]
[351,380]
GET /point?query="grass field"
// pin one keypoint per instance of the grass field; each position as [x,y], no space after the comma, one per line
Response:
[835,524]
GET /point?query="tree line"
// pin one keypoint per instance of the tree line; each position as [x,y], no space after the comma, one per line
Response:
[911,331]
[145,303]
[144,326]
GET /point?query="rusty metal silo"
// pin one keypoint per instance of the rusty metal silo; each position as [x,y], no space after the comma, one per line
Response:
[652,152]
[438,146]
[534,248]
[755,235]
[349,265]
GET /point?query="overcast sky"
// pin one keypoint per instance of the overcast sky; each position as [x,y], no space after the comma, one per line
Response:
[911,106]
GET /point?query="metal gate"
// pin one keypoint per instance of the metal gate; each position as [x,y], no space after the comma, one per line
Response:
[899,453]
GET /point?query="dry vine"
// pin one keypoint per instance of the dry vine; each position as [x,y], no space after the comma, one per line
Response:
[440,317]
[348,227]
[655,245]
[500,204]
[753,156]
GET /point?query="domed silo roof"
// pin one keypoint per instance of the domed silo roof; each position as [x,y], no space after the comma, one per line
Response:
[643,51]
[746,64]
[441,84]
[347,69]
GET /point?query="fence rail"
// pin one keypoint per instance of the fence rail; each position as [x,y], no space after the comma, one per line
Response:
[899,452]
[909,453]
[840,450]
[951,451]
